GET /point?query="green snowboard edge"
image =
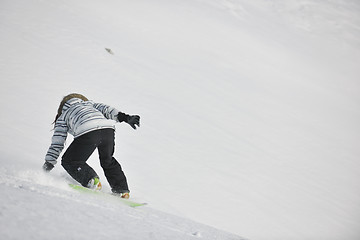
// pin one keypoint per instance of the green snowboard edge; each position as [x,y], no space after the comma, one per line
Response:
[91,191]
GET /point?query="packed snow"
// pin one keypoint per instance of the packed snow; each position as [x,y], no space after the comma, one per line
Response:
[249,110]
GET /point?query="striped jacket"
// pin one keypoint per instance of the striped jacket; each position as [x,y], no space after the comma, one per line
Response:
[79,117]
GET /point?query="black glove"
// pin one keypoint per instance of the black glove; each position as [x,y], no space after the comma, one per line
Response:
[47,166]
[133,121]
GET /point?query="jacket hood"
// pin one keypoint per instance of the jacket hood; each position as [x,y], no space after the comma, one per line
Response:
[67,101]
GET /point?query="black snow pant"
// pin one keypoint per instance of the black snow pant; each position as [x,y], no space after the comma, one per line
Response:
[75,157]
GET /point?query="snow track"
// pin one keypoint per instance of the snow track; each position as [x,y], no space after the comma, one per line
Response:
[45,211]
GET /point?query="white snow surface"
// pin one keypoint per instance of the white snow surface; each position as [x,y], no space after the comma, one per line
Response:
[250,115]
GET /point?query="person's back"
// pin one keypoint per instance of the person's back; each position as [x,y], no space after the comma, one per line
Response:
[82,116]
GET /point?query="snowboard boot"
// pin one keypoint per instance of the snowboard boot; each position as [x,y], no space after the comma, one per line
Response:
[94,183]
[125,195]
[121,193]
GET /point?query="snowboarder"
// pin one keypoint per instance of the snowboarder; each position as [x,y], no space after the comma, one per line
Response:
[90,124]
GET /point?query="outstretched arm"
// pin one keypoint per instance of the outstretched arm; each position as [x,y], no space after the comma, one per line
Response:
[114,114]
[108,111]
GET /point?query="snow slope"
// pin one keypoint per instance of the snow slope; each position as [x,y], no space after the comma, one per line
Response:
[249,111]
[45,208]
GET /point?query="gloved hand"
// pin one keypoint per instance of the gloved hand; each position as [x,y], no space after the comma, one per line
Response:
[47,166]
[133,121]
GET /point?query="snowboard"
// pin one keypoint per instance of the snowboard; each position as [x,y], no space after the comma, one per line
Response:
[127,202]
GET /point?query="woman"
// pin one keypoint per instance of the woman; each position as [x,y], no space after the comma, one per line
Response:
[90,124]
